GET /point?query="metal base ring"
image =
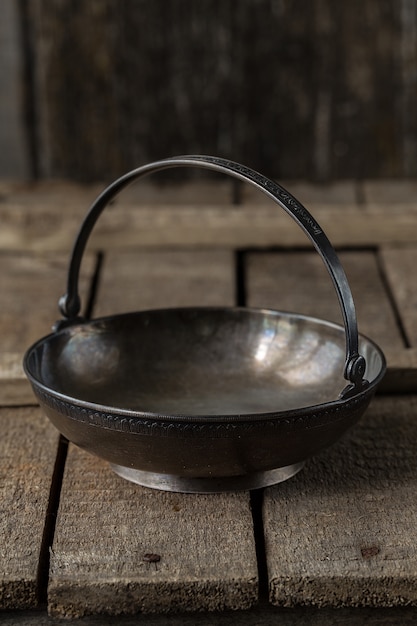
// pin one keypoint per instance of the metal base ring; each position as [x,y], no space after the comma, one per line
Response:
[170,482]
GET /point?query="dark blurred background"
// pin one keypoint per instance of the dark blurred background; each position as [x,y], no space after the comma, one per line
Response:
[299,89]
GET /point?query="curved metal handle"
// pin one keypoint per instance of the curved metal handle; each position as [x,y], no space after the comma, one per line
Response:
[355,364]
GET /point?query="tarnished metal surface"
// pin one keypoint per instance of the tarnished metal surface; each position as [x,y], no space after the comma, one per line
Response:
[200,393]
[199,362]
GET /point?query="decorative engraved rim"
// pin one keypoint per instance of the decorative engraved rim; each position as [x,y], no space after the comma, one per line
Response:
[149,424]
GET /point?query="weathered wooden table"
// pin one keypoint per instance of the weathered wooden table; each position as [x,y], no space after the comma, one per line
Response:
[337,543]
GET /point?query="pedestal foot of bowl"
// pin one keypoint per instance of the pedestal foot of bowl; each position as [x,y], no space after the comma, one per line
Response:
[170,482]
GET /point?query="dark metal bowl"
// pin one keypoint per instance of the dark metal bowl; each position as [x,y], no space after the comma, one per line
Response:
[205,399]
[200,393]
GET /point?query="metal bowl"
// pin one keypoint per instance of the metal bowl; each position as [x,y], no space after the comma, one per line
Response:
[205,399]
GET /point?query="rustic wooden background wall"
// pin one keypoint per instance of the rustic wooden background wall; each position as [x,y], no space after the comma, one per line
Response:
[312,89]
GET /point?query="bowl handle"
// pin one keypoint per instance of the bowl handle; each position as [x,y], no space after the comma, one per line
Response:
[355,364]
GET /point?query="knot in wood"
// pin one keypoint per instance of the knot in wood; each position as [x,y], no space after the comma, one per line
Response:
[150,557]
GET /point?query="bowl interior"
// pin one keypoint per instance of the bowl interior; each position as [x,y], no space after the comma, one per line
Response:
[199,361]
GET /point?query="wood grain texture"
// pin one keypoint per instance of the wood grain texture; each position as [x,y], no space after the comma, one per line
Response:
[14,387]
[14,157]
[30,284]
[107,525]
[27,453]
[401,376]
[160,279]
[299,282]
[321,93]
[341,533]
[400,268]
[47,219]
[264,615]
[392,192]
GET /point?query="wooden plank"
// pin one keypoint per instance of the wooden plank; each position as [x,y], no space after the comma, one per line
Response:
[14,387]
[65,194]
[14,157]
[264,615]
[299,282]
[148,216]
[212,191]
[160,279]
[206,542]
[27,453]
[202,189]
[43,229]
[399,265]
[355,122]
[246,226]
[105,527]
[401,376]
[342,532]
[208,226]
[390,192]
[31,285]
